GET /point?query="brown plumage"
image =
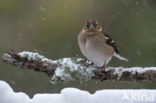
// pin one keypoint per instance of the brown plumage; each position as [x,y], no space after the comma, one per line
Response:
[111,42]
[96,45]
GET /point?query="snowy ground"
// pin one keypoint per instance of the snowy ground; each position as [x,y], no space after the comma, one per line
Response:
[73,95]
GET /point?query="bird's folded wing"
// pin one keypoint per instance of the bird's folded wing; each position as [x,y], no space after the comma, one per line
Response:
[111,42]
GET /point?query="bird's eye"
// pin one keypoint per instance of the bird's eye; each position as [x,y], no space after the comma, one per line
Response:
[87,25]
[95,25]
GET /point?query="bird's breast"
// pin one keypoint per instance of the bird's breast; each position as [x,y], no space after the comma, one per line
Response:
[95,49]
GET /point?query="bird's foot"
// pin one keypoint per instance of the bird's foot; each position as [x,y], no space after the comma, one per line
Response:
[103,68]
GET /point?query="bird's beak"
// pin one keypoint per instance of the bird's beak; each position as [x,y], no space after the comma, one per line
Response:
[91,27]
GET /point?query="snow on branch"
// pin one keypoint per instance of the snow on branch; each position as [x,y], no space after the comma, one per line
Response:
[71,69]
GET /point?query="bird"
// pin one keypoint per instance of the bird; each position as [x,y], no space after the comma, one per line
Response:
[96,45]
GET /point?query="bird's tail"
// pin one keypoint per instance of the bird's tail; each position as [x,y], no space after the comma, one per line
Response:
[120,57]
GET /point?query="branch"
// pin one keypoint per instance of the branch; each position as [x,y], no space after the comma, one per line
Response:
[70,69]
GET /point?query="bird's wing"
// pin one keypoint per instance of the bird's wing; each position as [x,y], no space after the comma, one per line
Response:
[110,42]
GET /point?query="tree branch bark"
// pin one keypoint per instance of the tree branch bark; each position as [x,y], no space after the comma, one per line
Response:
[68,69]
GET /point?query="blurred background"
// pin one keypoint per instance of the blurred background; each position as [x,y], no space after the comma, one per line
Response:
[50,27]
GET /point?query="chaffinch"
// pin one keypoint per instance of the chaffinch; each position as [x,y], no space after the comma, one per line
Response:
[97,46]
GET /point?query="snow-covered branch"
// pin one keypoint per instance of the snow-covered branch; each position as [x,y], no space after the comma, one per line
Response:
[71,69]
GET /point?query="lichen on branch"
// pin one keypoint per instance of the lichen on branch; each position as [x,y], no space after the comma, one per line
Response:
[71,69]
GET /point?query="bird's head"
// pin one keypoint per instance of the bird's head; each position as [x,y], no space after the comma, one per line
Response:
[92,25]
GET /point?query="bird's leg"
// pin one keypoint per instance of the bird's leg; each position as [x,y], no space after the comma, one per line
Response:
[104,66]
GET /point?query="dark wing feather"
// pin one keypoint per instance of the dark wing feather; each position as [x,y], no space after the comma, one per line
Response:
[110,42]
